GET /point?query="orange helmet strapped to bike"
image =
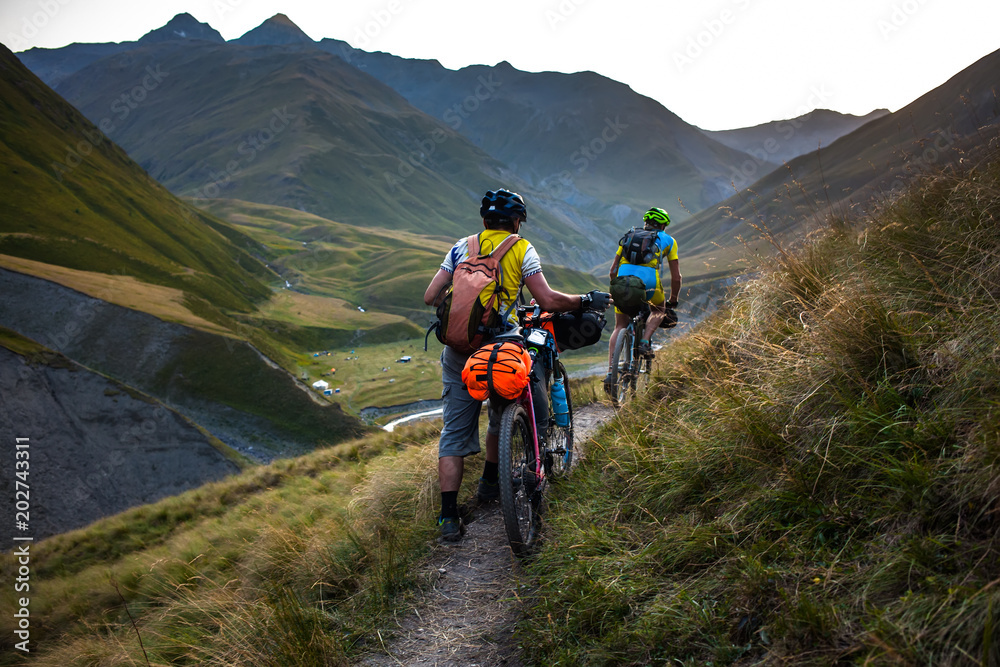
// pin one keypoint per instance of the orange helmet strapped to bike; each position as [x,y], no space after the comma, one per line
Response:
[498,370]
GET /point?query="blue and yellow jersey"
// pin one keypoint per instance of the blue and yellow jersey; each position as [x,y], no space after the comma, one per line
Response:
[649,272]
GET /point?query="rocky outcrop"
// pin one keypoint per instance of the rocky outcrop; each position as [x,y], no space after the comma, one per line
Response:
[223,384]
[95,446]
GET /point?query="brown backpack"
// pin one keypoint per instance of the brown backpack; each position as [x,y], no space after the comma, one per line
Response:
[464,322]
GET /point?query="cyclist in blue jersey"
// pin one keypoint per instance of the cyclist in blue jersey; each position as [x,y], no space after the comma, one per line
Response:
[654,219]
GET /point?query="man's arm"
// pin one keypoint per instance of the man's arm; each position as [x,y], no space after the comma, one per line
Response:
[675,279]
[548,298]
[438,282]
[614,266]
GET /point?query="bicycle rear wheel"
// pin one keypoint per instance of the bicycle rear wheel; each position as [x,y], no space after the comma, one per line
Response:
[520,492]
[559,454]
[621,368]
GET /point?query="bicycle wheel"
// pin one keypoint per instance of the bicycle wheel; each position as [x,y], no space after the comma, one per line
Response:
[621,367]
[559,451]
[520,493]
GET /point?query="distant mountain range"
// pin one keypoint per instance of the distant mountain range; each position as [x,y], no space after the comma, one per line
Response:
[772,144]
[588,152]
[876,160]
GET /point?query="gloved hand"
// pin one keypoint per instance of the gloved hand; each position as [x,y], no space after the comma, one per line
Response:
[595,300]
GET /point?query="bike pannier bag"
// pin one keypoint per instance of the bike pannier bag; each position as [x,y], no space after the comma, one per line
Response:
[497,370]
[629,293]
[579,328]
[465,321]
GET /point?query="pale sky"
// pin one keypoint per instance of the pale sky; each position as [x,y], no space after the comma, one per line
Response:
[718,64]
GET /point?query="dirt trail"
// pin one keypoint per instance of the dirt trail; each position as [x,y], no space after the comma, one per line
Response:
[467,618]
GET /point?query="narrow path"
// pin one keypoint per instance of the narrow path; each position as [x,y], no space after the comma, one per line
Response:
[467,618]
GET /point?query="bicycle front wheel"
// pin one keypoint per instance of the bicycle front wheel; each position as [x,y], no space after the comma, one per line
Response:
[520,492]
[559,454]
[621,367]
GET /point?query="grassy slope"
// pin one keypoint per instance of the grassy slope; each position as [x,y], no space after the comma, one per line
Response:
[74,199]
[228,573]
[815,476]
[811,479]
[334,268]
[105,228]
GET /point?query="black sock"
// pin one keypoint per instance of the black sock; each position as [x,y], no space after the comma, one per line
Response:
[491,472]
[449,504]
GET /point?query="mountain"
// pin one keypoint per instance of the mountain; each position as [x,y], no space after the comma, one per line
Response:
[953,121]
[277,30]
[182,26]
[75,199]
[54,65]
[297,127]
[580,137]
[103,265]
[588,153]
[771,144]
[89,463]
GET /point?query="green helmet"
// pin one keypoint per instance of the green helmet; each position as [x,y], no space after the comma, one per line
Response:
[656,216]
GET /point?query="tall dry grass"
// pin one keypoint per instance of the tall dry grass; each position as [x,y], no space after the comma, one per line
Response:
[814,477]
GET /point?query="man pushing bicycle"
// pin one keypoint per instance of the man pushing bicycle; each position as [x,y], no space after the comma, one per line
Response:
[517,263]
[640,255]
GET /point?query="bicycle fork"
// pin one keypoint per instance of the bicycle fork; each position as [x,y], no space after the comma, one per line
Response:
[533,478]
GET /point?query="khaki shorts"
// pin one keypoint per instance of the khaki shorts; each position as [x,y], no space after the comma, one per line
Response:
[460,433]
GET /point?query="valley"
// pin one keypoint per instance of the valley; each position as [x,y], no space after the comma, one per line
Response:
[217,225]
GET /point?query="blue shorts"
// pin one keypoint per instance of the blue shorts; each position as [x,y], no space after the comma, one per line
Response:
[460,434]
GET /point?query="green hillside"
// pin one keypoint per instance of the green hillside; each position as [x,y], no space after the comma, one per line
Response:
[380,269]
[100,226]
[74,199]
[811,479]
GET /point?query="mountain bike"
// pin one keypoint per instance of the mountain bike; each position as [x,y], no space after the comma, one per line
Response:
[631,370]
[530,460]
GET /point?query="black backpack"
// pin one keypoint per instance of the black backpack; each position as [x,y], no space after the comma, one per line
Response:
[640,246]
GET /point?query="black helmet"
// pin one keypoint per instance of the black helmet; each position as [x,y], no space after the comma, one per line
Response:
[503,203]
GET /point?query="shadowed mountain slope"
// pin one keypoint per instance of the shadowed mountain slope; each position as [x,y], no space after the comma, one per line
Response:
[880,157]
[771,144]
[99,447]
[276,30]
[578,136]
[54,65]
[299,128]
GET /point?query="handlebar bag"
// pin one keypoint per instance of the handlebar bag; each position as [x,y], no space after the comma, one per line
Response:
[573,330]
[497,370]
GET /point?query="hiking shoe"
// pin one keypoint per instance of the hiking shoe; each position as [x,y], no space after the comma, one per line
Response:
[487,491]
[645,348]
[452,528]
